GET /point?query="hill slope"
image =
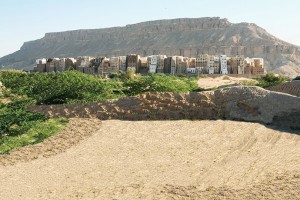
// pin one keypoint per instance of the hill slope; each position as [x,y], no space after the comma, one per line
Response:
[187,36]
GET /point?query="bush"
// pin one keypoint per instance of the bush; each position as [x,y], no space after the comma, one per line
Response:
[158,83]
[58,88]
[74,86]
[20,127]
[15,119]
[271,79]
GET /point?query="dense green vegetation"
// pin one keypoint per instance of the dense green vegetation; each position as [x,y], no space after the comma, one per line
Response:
[56,88]
[73,86]
[39,130]
[297,78]
[20,127]
[270,79]
[157,83]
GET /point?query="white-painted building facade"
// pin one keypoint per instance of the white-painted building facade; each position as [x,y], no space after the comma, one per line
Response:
[223,64]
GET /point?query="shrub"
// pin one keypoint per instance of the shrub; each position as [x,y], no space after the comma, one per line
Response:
[158,83]
[271,79]
[65,87]
[15,119]
[20,127]
[297,78]
[74,86]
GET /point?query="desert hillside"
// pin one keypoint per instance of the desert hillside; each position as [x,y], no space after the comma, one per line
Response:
[185,36]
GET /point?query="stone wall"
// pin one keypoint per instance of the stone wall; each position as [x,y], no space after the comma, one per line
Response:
[251,104]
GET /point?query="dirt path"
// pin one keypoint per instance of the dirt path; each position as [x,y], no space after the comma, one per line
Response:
[164,160]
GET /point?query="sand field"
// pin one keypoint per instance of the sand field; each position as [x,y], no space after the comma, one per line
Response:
[160,160]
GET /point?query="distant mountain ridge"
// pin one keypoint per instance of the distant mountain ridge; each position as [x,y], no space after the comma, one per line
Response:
[185,36]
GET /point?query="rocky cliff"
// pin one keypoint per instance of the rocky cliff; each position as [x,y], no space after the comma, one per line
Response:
[188,37]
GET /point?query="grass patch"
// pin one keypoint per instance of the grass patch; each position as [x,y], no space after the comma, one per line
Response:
[38,132]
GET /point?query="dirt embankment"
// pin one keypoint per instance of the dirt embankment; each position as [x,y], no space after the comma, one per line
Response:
[252,104]
[292,88]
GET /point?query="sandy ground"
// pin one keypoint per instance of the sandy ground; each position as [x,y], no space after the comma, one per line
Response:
[164,160]
[209,82]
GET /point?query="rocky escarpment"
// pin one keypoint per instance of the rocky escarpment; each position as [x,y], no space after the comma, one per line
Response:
[251,104]
[188,37]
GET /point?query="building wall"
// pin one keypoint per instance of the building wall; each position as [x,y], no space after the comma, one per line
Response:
[122,63]
[161,63]
[167,65]
[256,66]
[236,65]
[223,64]
[173,65]
[202,63]
[115,62]
[143,66]
[70,63]
[40,68]
[132,62]
[61,65]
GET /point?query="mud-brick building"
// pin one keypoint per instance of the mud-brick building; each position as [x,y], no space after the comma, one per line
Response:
[161,63]
[202,63]
[223,64]
[52,64]
[40,65]
[173,65]
[82,63]
[255,66]
[181,64]
[167,65]
[122,63]
[236,65]
[132,62]
[70,63]
[143,67]
[115,63]
[104,67]
[258,68]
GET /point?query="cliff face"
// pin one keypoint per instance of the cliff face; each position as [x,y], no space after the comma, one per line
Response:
[188,37]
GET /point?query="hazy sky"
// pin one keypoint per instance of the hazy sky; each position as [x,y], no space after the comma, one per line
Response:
[26,20]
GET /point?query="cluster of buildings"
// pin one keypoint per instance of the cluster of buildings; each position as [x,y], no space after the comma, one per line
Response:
[174,65]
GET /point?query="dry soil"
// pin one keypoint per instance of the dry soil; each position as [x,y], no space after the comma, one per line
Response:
[162,160]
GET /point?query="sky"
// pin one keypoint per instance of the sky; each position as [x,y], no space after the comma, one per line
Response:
[27,20]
